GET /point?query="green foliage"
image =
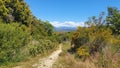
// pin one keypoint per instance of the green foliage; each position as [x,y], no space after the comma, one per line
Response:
[15,10]
[12,38]
[15,38]
[99,39]
[113,19]
[48,27]
[62,36]
[95,37]
[38,30]
[80,37]
[98,22]
[42,47]
[83,51]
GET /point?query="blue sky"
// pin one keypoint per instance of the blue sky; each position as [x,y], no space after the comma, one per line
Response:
[73,11]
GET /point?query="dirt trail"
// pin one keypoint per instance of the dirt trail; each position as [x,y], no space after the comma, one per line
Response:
[48,61]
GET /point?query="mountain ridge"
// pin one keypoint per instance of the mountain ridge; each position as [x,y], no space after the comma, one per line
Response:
[65,29]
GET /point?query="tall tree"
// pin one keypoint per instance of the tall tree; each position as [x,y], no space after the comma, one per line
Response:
[113,19]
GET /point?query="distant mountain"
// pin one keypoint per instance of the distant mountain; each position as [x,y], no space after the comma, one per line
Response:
[64,29]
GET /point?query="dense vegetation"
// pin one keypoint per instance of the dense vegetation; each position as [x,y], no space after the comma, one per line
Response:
[21,34]
[99,40]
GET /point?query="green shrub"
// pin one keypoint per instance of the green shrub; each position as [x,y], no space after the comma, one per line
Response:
[80,37]
[99,38]
[12,38]
[42,47]
[95,39]
[83,52]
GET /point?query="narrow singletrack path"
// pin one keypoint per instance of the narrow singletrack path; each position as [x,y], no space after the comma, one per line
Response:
[48,61]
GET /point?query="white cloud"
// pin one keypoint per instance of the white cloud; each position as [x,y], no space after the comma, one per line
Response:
[67,24]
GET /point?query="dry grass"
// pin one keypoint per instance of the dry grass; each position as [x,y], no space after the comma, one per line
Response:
[67,60]
[110,58]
